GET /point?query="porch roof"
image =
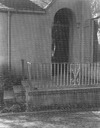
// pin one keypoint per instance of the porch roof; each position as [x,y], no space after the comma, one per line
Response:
[29,5]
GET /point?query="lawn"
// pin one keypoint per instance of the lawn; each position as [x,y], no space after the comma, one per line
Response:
[51,120]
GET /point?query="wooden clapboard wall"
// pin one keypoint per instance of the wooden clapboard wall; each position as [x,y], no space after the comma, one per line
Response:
[88,40]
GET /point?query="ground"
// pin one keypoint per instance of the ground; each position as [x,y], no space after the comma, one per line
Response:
[88,119]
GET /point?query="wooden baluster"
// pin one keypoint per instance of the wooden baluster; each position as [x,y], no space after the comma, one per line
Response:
[54,80]
[29,71]
[57,74]
[40,72]
[91,72]
[61,84]
[88,71]
[51,69]
[79,74]
[23,69]
[94,73]
[43,74]
[70,74]
[82,74]
[64,80]
[97,72]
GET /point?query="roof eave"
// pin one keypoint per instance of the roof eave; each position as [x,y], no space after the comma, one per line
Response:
[22,11]
[49,5]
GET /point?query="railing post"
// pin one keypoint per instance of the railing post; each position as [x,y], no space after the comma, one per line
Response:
[29,71]
[97,72]
[68,74]
[91,72]
[64,78]
[54,73]
[79,74]
[88,73]
[58,74]
[23,69]
[85,74]
[61,70]
[82,74]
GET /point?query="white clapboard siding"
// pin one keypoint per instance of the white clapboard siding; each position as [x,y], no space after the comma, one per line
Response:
[88,41]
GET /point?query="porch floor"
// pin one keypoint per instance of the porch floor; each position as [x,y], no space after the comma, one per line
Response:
[51,85]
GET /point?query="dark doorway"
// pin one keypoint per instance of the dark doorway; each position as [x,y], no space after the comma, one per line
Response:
[96,47]
[60,36]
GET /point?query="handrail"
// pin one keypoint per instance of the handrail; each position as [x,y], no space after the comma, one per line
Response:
[65,74]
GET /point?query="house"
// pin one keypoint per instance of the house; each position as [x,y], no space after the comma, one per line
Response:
[48,31]
[55,42]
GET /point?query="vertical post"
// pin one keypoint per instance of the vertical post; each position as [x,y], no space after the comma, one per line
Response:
[70,74]
[41,72]
[29,71]
[79,66]
[91,72]
[68,71]
[97,72]
[61,73]
[64,82]
[28,88]
[88,73]
[50,70]
[83,72]
[54,74]
[58,74]
[94,73]
[9,41]
[23,69]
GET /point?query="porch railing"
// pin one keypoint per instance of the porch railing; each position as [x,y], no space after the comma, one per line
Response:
[65,74]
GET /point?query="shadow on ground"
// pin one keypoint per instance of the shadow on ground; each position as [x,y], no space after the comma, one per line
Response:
[51,120]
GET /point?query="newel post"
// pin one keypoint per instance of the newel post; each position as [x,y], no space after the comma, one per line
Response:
[23,69]
[29,71]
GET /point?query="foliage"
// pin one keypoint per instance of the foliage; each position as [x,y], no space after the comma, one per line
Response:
[8,80]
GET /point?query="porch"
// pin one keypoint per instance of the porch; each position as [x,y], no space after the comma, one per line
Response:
[61,75]
[62,86]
